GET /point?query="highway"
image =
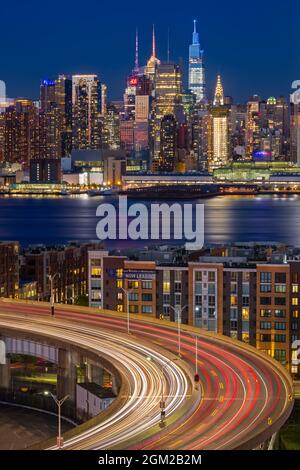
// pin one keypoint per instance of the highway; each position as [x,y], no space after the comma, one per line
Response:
[244,396]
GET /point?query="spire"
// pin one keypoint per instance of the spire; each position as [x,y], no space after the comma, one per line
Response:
[219,93]
[153,43]
[136,65]
[168,47]
[195,34]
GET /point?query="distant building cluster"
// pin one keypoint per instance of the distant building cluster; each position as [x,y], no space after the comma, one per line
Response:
[250,292]
[158,126]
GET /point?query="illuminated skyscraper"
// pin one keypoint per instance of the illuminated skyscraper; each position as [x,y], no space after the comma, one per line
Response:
[295,127]
[196,67]
[153,62]
[218,130]
[86,98]
[168,143]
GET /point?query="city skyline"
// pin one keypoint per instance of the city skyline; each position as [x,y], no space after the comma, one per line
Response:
[230,57]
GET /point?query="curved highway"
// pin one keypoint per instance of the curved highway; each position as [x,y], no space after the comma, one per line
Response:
[244,396]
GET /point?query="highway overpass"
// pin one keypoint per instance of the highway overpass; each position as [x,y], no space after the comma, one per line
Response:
[243,398]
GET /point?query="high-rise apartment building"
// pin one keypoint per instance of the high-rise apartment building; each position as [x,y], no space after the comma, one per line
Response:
[86,100]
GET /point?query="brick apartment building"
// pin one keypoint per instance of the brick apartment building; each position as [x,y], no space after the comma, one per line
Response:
[253,298]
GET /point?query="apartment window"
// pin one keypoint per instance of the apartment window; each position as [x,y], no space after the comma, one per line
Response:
[211,300]
[280,301]
[96,272]
[166,286]
[146,309]
[211,288]
[119,284]
[133,284]
[280,355]
[233,325]
[233,275]
[233,287]
[280,325]
[295,278]
[266,277]
[133,308]
[166,311]
[280,288]
[265,300]
[119,272]
[245,301]
[295,313]
[295,301]
[198,276]
[198,312]
[279,313]
[147,285]
[233,313]
[120,308]
[246,276]
[294,325]
[265,325]
[133,296]
[265,288]
[280,278]
[198,299]
[166,298]
[295,288]
[177,299]
[211,312]
[280,338]
[246,288]
[147,297]
[245,313]
[265,338]
[177,286]
[233,300]
[245,337]
[177,276]
[211,276]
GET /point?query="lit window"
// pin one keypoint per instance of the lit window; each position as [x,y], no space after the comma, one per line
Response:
[294,301]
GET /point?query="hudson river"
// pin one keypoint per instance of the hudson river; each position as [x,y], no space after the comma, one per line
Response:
[227,219]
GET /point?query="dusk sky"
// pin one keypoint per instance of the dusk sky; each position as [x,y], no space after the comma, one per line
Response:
[254,45]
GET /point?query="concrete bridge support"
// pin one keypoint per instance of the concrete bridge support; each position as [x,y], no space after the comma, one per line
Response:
[68,361]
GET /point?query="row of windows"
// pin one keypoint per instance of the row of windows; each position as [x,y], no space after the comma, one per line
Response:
[269,313]
[134,296]
[267,338]
[280,278]
[267,325]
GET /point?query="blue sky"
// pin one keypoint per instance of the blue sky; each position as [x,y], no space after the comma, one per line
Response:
[254,45]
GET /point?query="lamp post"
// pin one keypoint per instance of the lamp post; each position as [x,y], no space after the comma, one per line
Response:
[59,404]
[51,279]
[127,292]
[162,401]
[178,311]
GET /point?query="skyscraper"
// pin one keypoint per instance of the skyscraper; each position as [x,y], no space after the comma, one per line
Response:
[153,62]
[196,67]
[86,98]
[218,130]
[295,127]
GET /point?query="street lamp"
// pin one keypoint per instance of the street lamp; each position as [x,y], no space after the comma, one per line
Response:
[127,292]
[51,279]
[162,401]
[59,404]
[178,311]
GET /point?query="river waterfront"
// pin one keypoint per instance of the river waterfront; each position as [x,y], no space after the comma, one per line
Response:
[227,219]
